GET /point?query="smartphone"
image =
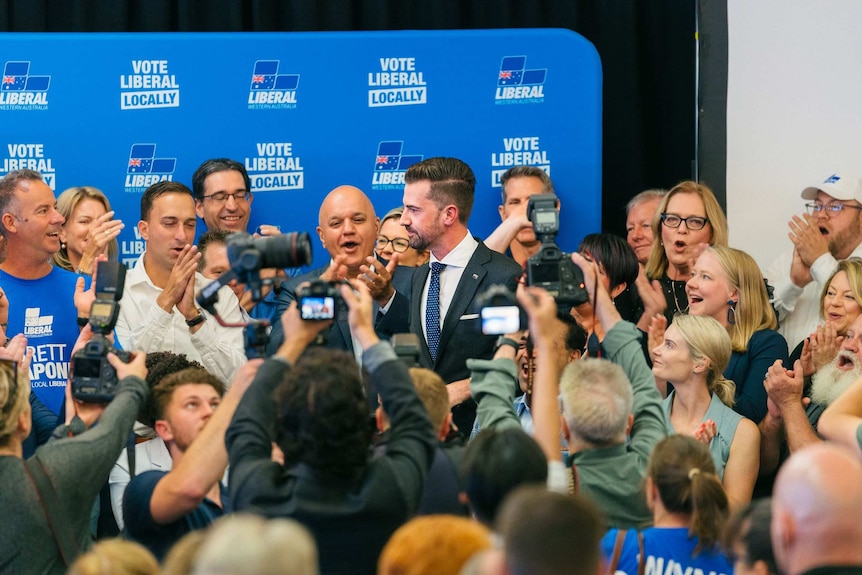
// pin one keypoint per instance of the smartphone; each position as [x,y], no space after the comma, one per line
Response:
[500,320]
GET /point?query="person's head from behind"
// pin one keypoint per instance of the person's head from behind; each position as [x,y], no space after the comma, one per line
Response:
[546,533]
[431,390]
[746,539]
[495,463]
[438,198]
[597,403]
[640,212]
[323,414]
[115,557]
[80,206]
[681,480]
[688,215]
[253,545]
[15,416]
[393,239]
[222,194]
[184,402]
[214,261]
[816,506]
[433,545]
[841,298]
[617,263]
[696,346]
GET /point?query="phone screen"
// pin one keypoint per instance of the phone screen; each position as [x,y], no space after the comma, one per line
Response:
[501,320]
[317,307]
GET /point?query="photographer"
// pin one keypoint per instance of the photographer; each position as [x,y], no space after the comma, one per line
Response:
[51,522]
[351,502]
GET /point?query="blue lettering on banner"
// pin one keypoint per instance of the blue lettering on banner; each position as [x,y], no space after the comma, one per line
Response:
[397,84]
[521,151]
[150,85]
[390,164]
[518,85]
[21,90]
[275,168]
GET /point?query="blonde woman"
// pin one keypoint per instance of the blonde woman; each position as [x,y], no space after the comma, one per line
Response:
[89,230]
[693,355]
[688,218]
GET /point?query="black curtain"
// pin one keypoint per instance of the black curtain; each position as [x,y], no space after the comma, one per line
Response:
[647,49]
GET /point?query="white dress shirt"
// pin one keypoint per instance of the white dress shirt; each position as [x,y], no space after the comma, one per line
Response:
[450,276]
[145,326]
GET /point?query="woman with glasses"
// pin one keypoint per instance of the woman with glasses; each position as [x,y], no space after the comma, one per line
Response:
[393,238]
[89,231]
[688,218]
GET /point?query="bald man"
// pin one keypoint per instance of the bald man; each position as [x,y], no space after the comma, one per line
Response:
[347,228]
[817,512]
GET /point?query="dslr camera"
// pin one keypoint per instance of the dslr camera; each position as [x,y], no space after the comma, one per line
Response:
[320,300]
[94,380]
[551,268]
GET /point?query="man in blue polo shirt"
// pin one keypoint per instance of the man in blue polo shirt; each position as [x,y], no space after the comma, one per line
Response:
[160,507]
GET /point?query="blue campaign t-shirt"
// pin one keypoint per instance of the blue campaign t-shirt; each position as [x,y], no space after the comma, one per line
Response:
[142,528]
[44,311]
[666,550]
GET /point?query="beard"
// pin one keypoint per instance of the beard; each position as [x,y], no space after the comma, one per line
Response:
[829,382]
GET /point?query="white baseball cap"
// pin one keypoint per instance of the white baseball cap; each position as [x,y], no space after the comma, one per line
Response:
[840,187]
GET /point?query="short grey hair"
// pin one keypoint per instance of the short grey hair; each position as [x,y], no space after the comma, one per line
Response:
[597,400]
[645,196]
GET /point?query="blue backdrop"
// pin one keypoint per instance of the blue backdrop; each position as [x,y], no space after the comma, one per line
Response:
[305,112]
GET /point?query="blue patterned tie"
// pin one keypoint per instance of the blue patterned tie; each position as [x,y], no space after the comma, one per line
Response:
[432,310]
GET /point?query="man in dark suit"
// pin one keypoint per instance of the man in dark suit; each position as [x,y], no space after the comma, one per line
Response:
[438,197]
[348,231]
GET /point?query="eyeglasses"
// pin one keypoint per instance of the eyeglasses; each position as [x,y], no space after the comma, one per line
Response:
[222,197]
[830,208]
[693,223]
[12,398]
[399,245]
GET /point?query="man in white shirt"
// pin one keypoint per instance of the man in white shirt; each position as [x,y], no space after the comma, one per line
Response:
[438,198]
[829,232]
[158,311]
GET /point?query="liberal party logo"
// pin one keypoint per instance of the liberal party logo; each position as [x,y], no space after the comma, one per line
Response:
[390,165]
[517,85]
[275,168]
[21,90]
[832,179]
[37,325]
[145,169]
[397,84]
[29,157]
[150,85]
[521,151]
[271,90]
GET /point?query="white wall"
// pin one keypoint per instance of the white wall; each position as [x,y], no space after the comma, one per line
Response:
[794,111]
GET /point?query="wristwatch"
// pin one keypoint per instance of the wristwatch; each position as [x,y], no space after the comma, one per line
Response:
[503,340]
[197,320]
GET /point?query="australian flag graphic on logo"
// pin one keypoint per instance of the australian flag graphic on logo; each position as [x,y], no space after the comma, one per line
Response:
[143,160]
[513,72]
[389,157]
[16,77]
[266,77]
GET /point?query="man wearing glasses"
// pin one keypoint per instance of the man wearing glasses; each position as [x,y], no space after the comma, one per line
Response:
[222,192]
[830,231]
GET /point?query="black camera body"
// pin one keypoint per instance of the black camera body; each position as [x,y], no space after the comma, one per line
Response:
[551,268]
[94,380]
[320,300]
[247,255]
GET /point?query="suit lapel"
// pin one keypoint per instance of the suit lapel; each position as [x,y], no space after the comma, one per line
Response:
[471,279]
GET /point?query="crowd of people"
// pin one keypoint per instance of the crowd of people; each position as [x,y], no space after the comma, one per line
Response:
[640,430]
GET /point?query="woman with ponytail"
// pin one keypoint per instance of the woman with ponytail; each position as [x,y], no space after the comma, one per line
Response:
[692,356]
[689,508]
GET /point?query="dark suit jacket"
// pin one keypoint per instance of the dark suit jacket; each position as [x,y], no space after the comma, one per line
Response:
[338,335]
[462,337]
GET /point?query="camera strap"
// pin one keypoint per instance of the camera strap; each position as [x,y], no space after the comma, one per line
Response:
[50,502]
